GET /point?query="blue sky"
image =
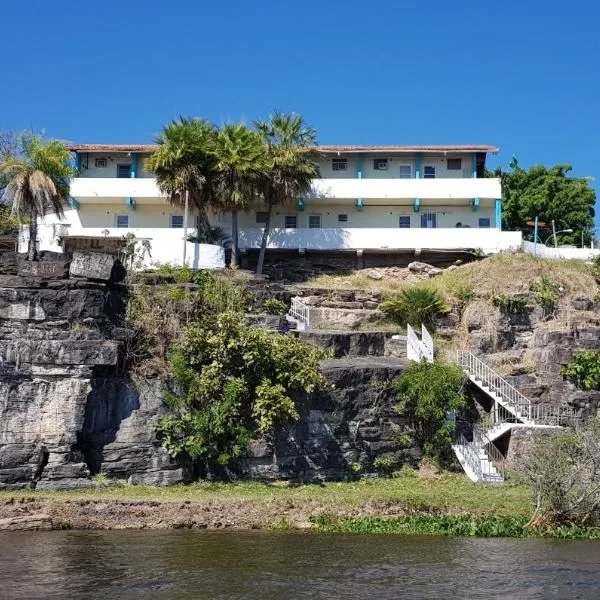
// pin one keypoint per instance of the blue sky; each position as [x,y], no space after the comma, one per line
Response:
[524,76]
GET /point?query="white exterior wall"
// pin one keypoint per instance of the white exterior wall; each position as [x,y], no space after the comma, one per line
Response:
[567,253]
[89,170]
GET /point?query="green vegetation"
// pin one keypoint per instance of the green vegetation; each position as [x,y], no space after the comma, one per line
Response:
[232,384]
[158,315]
[415,306]
[36,175]
[564,473]
[457,525]
[272,306]
[546,293]
[510,305]
[426,393]
[584,370]
[386,465]
[548,193]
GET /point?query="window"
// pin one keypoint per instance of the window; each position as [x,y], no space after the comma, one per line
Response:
[404,222]
[177,221]
[484,221]
[428,220]
[100,163]
[122,221]
[454,164]
[314,221]
[429,172]
[380,164]
[261,216]
[343,218]
[291,221]
[123,171]
[405,171]
[339,164]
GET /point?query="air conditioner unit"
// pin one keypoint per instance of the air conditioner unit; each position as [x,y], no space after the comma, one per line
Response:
[100,163]
[382,165]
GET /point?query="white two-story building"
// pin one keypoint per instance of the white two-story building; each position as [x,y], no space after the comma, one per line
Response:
[373,200]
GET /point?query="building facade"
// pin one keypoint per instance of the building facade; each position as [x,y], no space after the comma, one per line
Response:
[368,199]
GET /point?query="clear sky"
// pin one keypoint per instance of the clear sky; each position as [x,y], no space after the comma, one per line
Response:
[524,75]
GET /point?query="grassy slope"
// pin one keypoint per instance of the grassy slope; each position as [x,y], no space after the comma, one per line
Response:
[448,493]
[501,273]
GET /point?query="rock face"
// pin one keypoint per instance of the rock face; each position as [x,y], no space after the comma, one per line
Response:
[341,429]
[65,413]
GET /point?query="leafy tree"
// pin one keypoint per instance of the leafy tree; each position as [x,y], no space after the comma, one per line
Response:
[426,393]
[184,163]
[240,156]
[550,194]
[233,383]
[290,165]
[37,182]
[584,370]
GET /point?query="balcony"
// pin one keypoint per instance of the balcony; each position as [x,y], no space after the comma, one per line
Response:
[489,240]
[86,188]
[435,189]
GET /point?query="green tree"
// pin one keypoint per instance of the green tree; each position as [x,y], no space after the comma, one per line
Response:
[426,393]
[37,182]
[240,159]
[290,165]
[550,194]
[232,384]
[184,164]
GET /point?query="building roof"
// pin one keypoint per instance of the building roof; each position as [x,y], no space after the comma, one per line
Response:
[324,149]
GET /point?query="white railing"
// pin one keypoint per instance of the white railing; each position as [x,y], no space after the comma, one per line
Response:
[427,343]
[483,468]
[417,349]
[300,311]
[510,395]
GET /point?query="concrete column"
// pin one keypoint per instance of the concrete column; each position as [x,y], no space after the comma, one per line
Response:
[360,263]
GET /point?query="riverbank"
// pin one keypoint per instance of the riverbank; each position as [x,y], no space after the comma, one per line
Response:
[252,505]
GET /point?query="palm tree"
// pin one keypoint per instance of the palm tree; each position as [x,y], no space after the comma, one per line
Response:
[37,182]
[184,164]
[241,154]
[290,168]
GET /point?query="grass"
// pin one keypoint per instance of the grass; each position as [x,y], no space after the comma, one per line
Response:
[506,273]
[441,494]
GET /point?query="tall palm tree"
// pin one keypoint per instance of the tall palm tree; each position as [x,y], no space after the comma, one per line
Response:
[240,154]
[290,167]
[37,183]
[184,164]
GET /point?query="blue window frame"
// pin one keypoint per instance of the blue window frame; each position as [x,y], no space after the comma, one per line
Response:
[428,220]
[484,222]
[404,221]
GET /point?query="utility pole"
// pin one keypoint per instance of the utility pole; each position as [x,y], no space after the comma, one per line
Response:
[185,225]
[554,234]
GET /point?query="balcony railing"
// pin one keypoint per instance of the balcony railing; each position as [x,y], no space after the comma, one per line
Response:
[433,189]
[113,187]
[382,238]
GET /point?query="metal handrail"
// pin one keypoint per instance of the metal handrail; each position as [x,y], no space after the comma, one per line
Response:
[427,343]
[471,453]
[520,404]
[481,440]
[300,311]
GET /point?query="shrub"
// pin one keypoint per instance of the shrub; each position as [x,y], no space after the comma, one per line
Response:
[546,294]
[510,305]
[596,268]
[386,465]
[426,393]
[232,384]
[584,370]
[272,306]
[415,306]
[465,293]
[564,472]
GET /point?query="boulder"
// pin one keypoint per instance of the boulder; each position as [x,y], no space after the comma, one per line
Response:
[27,522]
[420,267]
[93,265]
[374,274]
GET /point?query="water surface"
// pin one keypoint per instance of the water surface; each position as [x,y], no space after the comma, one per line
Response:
[274,565]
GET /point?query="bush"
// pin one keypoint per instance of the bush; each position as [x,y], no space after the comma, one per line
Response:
[565,473]
[546,294]
[272,306]
[584,370]
[232,384]
[426,393]
[510,305]
[386,465]
[415,306]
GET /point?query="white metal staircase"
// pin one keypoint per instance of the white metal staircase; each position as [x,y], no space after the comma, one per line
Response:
[299,314]
[480,458]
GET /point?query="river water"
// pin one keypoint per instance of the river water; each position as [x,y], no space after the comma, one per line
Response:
[306,565]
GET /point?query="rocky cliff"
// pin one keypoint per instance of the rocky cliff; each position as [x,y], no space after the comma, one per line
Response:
[68,412]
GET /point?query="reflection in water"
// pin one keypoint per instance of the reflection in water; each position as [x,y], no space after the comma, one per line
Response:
[158,564]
